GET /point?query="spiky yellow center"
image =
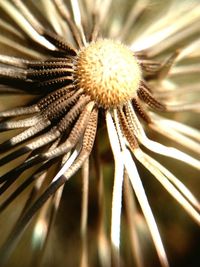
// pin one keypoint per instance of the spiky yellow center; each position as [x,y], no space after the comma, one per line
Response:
[108,72]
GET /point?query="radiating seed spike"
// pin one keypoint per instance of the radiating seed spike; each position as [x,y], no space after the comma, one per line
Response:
[59,42]
[141,111]
[149,99]
[19,111]
[26,134]
[50,98]
[44,75]
[17,153]
[26,183]
[23,123]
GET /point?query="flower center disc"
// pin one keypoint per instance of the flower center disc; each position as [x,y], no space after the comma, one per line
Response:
[108,72]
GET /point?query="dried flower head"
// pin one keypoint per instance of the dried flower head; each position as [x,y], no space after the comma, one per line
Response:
[78,67]
[110,79]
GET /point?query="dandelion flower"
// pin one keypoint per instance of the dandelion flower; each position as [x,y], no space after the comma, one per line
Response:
[72,69]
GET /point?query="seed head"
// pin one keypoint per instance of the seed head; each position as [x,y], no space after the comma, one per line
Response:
[108,72]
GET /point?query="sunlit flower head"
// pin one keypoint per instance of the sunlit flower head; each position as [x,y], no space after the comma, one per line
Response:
[83,78]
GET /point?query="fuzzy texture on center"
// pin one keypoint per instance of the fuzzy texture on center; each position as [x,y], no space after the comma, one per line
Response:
[108,72]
